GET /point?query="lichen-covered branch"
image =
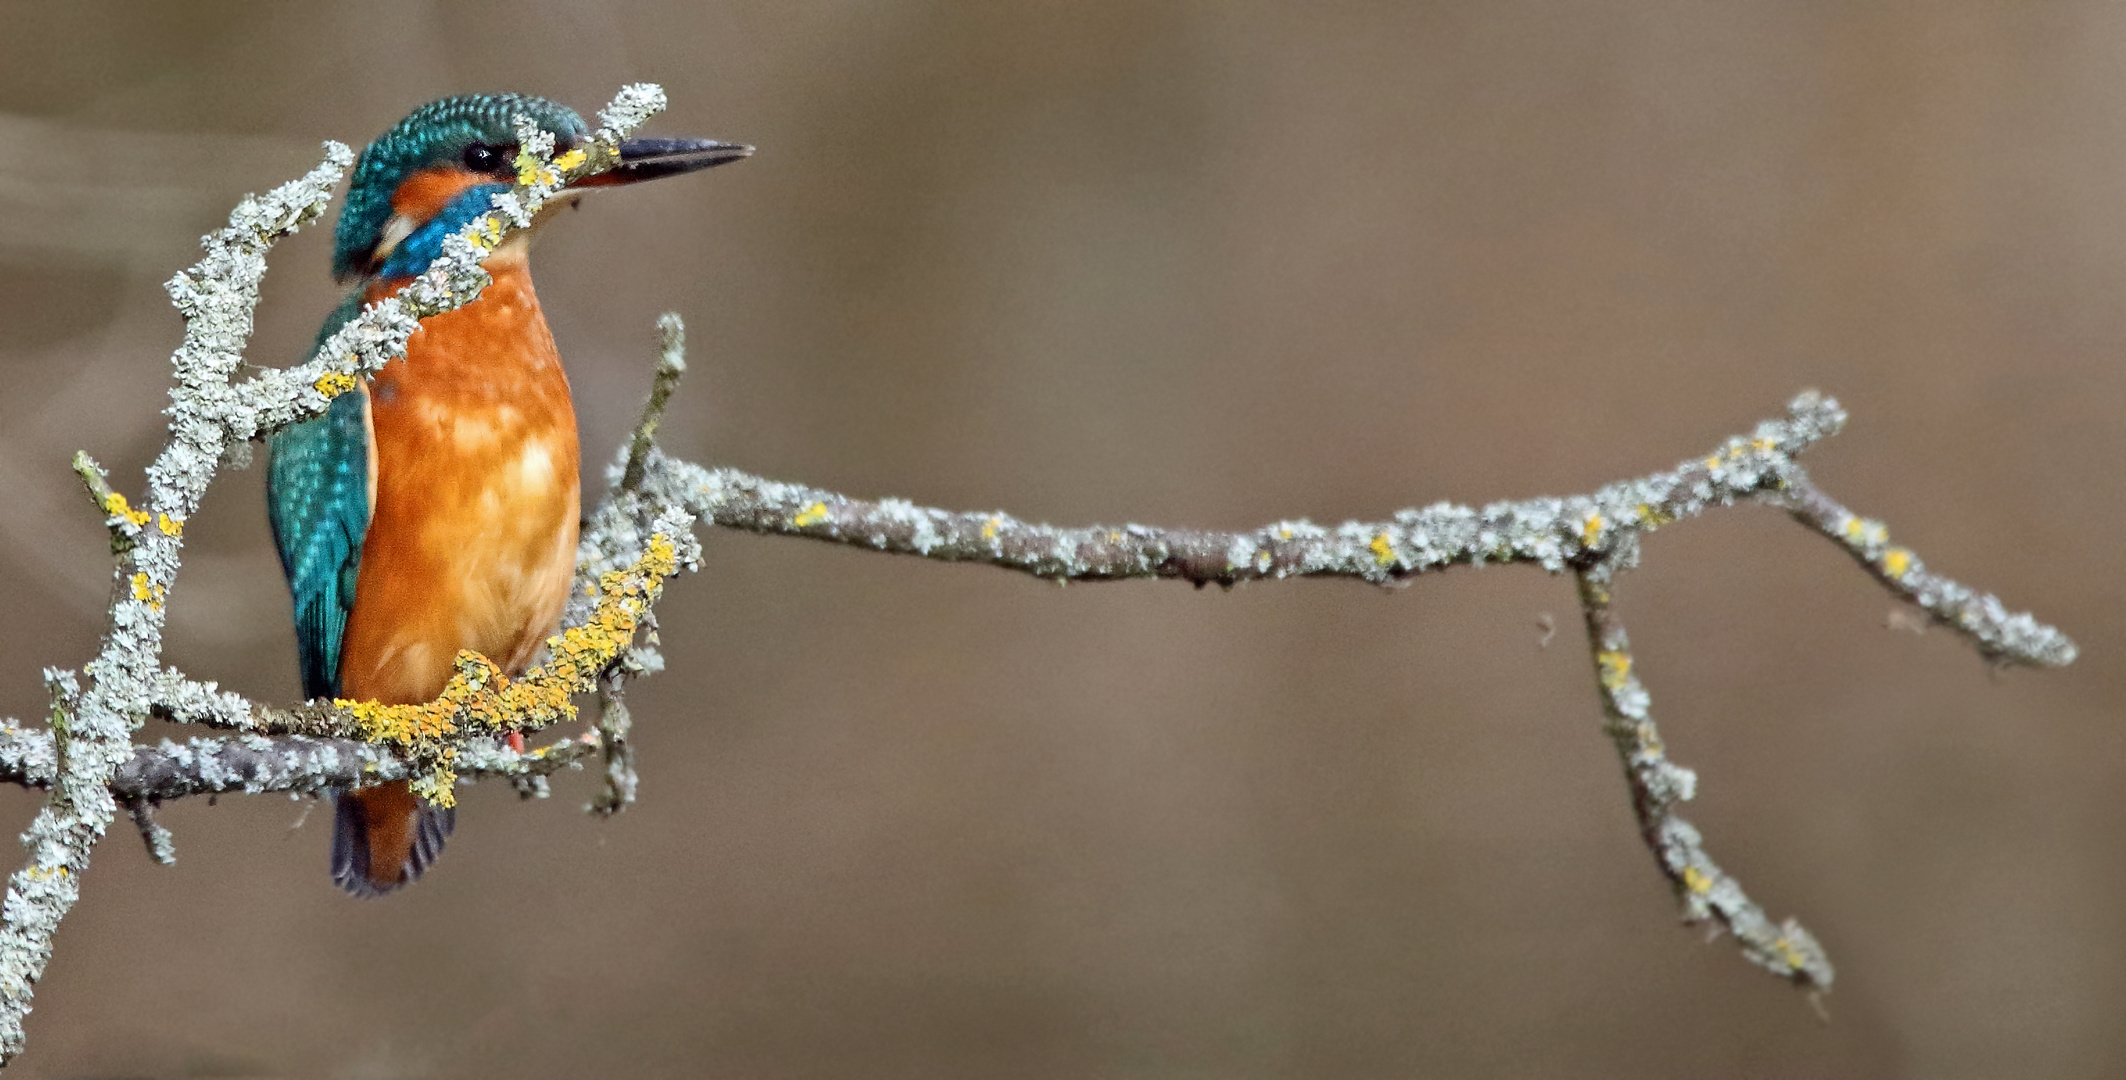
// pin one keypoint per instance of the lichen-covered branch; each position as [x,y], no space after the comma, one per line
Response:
[295,764]
[643,532]
[2000,635]
[92,724]
[1553,533]
[614,719]
[1657,785]
[671,364]
[1595,537]
[1550,532]
[301,765]
[481,700]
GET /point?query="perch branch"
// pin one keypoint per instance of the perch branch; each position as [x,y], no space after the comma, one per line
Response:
[642,532]
[1595,537]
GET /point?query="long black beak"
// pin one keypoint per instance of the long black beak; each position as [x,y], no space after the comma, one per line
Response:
[648,159]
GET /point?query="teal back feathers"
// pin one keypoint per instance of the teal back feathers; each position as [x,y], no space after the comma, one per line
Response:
[317,498]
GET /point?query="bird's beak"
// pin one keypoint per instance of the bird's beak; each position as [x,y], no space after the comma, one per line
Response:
[648,159]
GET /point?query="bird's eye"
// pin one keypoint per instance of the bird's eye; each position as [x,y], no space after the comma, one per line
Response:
[482,158]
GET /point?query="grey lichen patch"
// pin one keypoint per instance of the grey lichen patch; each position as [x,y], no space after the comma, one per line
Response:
[303,765]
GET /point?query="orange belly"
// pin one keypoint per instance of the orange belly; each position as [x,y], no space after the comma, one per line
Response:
[472,540]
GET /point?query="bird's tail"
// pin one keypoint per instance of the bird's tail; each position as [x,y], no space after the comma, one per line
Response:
[384,837]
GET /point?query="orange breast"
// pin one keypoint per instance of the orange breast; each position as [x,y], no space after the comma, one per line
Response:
[472,543]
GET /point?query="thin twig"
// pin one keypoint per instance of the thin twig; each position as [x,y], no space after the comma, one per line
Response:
[1657,785]
[671,364]
[2000,635]
[161,846]
[614,722]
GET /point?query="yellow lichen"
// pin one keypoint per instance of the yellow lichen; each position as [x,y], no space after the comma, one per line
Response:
[115,505]
[480,697]
[1697,881]
[570,160]
[1383,550]
[147,591]
[1648,738]
[810,515]
[39,873]
[170,526]
[1764,445]
[334,383]
[1862,531]
[1591,530]
[1616,667]
[530,170]
[990,527]
[1896,562]
[1789,953]
[1652,517]
[486,234]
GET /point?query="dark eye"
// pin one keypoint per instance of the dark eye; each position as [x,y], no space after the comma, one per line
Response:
[482,158]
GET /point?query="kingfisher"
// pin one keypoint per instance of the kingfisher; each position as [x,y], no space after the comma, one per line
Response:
[434,507]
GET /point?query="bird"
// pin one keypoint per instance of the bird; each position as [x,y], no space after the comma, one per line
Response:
[434,507]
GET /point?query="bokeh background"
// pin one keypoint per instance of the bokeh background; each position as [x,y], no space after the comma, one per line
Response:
[1190,263]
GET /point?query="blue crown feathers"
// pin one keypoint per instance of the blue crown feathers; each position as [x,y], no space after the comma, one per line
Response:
[438,133]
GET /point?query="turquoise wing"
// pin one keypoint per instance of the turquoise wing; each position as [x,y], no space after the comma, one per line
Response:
[317,497]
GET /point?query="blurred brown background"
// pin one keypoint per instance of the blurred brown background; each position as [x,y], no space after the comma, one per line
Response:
[1197,264]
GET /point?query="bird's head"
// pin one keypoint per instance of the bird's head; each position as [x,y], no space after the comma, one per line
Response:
[436,170]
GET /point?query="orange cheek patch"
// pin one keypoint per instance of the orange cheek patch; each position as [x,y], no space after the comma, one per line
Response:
[425,193]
